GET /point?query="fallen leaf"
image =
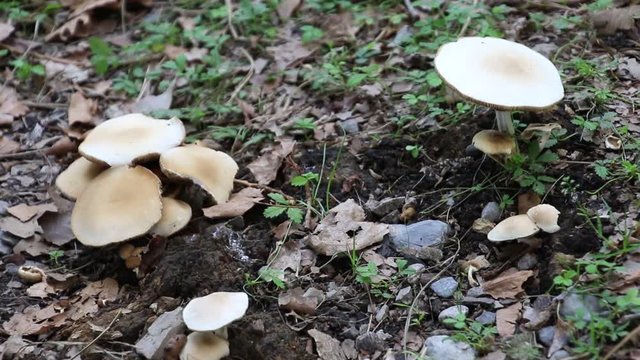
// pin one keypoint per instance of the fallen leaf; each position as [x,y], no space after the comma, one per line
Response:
[560,338]
[286,8]
[288,257]
[5,31]
[34,320]
[507,318]
[33,246]
[149,102]
[344,229]
[19,228]
[265,168]
[25,212]
[238,204]
[608,22]
[297,300]
[372,90]
[56,227]
[328,348]
[10,106]
[76,27]
[288,53]
[507,286]
[81,109]
[630,67]
[62,147]
[8,146]
[194,54]
[69,72]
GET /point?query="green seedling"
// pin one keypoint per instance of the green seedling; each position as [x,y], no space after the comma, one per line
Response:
[283,206]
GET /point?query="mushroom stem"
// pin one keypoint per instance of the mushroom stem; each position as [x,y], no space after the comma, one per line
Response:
[505,124]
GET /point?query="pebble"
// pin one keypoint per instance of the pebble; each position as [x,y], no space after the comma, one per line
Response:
[452,312]
[404,295]
[445,287]
[545,335]
[491,212]
[350,126]
[579,303]
[528,261]
[416,236]
[443,347]
[384,206]
[486,318]
[3,207]
[559,355]
[163,328]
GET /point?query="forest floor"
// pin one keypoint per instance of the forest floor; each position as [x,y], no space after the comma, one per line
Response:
[339,123]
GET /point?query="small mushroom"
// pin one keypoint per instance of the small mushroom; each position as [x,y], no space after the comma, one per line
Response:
[500,74]
[545,216]
[74,179]
[131,139]
[212,170]
[120,204]
[215,311]
[514,227]
[493,142]
[204,346]
[175,216]
[613,142]
[30,274]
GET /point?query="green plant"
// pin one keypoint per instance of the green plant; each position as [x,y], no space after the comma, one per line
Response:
[55,255]
[528,169]
[479,336]
[414,150]
[265,275]
[522,347]
[309,178]
[311,33]
[505,201]
[24,69]
[283,206]
[102,56]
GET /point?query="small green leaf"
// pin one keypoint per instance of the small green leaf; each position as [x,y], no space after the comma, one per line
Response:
[279,198]
[99,46]
[547,157]
[273,211]
[295,215]
[433,79]
[355,80]
[299,181]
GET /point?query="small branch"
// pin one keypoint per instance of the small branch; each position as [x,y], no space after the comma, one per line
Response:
[246,78]
[21,155]
[262,187]
[99,335]
[41,105]
[232,30]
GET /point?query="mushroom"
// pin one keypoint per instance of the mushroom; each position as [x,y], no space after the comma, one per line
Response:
[130,139]
[545,216]
[514,227]
[30,274]
[212,170]
[500,74]
[119,204]
[74,179]
[175,216]
[204,346]
[215,311]
[493,142]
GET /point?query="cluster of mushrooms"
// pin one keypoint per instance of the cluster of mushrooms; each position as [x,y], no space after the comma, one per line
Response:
[117,184]
[503,75]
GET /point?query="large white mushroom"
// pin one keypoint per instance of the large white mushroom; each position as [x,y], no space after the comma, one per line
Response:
[212,170]
[119,204]
[500,74]
[131,139]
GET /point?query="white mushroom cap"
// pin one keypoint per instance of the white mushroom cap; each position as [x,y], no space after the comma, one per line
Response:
[493,142]
[545,216]
[204,346]
[74,179]
[212,170]
[120,204]
[499,73]
[513,227]
[131,138]
[215,311]
[175,216]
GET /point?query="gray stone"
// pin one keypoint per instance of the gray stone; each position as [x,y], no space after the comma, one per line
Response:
[404,295]
[527,261]
[3,207]
[475,291]
[545,335]
[486,318]
[350,126]
[559,355]
[384,206]
[445,287]
[574,304]
[416,236]
[491,212]
[443,347]
[152,344]
[452,312]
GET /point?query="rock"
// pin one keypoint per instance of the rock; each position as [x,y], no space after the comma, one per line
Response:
[471,150]
[486,318]
[579,303]
[475,291]
[445,287]
[350,126]
[3,207]
[152,344]
[559,355]
[328,348]
[545,335]
[404,295]
[371,342]
[452,312]
[382,313]
[528,261]
[443,347]
[411,239]
[384,206]
[491,212]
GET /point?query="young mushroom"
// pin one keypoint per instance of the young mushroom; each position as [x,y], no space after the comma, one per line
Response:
[214,171]
[500,74]
[131,139]
[545,216]
[514,227]
[74,179]
[494,143]
[175,216]
[119,204]
[207,314]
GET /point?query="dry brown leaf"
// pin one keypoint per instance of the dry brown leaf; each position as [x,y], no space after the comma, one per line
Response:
[82,110]
[25,212]
[79,26]
[8,146]
[507,286]
[526,201]
[286,8]
[62,147]
[194,54]
[288,257]
[288,53]
[608,22]
[5,31]
[297,300]
[238,204]
[34,320]
[149,102]
[19,228]
[328,348]
[33,246]
[507,318]
[630,67]
[10,106]
[69,72]
[344,229]
[56,227]
[265,168]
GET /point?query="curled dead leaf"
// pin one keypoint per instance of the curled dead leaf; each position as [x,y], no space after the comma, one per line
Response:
[508,285]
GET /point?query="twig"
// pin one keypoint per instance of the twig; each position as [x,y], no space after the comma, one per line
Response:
[411,9]
[262,187]
[41,105]
[99,335]
[21,155]
[247,77]
[232,30]
[123,15]
[622,342]
[465,26]
[14,49]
